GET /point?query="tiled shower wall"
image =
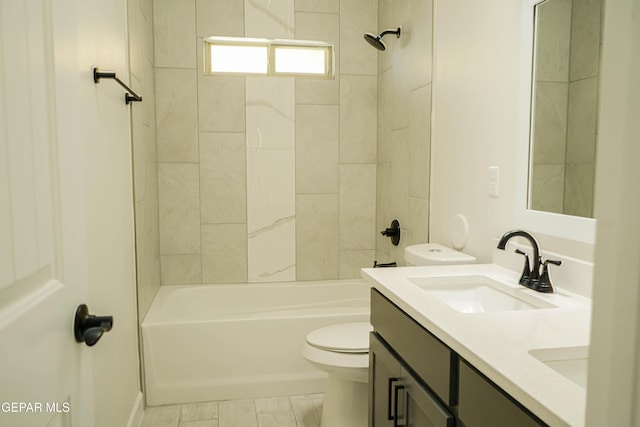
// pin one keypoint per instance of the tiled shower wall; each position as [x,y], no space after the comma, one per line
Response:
[404,125]
[140,26]
[566,107]
[265,179]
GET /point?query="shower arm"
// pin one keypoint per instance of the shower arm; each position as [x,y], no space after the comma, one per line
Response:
[385,32]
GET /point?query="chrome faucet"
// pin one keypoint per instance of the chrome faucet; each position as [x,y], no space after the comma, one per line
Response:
[531,276]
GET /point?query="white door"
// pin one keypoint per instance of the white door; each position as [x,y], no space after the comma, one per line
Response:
[45,375]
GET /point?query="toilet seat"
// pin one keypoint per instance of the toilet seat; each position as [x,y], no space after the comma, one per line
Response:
[352,338]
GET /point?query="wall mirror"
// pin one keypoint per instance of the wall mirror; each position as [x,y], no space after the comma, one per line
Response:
[561,54]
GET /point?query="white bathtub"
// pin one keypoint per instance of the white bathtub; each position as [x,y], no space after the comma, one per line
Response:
[217,342]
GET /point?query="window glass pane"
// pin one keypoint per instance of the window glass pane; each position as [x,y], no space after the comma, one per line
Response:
[239,59]
[300,60]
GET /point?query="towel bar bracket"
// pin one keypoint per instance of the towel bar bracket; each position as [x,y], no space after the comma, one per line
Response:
[129,97]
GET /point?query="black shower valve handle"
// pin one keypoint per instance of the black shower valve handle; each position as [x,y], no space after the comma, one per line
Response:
[393,232]
[389,232]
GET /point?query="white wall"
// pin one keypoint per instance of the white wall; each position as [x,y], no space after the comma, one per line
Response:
[475,94]
[476,107]
[102,41]
[614,376]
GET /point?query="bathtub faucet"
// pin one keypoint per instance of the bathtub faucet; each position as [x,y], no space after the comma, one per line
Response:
[388,264]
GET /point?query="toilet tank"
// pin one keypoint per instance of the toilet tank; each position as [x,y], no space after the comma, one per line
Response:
[435,254]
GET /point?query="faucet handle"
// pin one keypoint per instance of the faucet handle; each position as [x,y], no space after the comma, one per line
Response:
[545,284]
[525,279]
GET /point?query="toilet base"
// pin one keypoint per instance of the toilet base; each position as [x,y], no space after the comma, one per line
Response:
[345,403]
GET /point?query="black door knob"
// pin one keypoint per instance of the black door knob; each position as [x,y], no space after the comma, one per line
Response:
[88,328]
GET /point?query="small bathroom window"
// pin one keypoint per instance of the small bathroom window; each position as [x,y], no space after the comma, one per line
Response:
[245,56]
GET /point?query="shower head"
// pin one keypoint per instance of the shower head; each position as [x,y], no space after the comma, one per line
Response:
[376,41]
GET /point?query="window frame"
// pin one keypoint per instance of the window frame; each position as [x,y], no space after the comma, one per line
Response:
[271,46]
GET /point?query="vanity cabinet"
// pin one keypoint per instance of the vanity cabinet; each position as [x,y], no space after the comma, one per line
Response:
[482,404]
[416,380]
[397,397]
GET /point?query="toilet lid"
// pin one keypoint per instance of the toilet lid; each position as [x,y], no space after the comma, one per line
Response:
[342,338]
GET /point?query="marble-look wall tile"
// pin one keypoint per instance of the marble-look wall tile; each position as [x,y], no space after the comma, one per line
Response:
[317,148]
[386,19]
[139,142]
[269,18]
[271,188]
[272,252]
[416,228]
[400,78]
[220,18]
[175,30]
[180,269]
[322,27]
[271,213]
[177,115]
[270,123]
[317,228]
[143,127]
[357,206]
[179,207]
[221,104]
[585,38]
[352,261]
[136,24]
[553,43]
[417,33]
[581,132]
[547,190]
[321,6]
[578,198]
[383,207]
[356,18]
[224,253]
[358,119]
[223,178]
[399,180]
[385,101]
[420,143]
[270,112]
[550,130]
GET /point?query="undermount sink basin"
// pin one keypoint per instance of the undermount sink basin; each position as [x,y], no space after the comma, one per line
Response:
[570,362]
[478,294]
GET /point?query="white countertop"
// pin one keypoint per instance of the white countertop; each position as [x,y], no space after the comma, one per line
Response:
[498,343]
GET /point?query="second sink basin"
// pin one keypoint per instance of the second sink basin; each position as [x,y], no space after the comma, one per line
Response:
[478,294]
[570,362]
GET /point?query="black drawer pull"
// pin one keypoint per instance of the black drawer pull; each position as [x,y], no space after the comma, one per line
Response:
[390,416]
[395,405]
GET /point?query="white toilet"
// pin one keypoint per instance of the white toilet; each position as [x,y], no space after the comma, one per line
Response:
[342,350]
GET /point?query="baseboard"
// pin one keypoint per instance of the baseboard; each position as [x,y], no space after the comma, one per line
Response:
[137,412]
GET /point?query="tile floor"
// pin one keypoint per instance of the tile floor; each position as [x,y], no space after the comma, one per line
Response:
[287,411]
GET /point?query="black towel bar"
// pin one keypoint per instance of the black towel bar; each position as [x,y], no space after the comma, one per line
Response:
[131,96]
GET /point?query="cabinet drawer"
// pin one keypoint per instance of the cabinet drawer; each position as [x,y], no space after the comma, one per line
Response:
[482,404]
[426,355]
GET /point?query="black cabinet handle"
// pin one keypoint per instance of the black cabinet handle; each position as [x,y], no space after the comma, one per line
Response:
[89,328]
[395,405]
[390,415]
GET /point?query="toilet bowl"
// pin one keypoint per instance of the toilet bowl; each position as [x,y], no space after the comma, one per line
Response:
[342,350]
